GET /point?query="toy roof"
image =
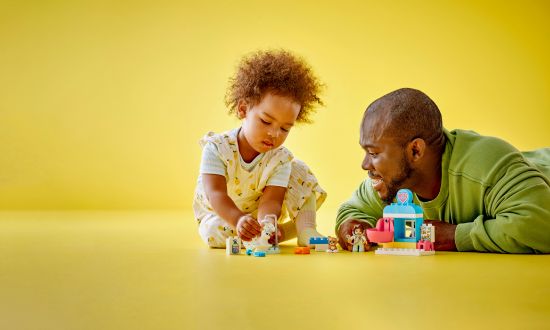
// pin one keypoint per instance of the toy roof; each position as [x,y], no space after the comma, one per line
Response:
[404,207]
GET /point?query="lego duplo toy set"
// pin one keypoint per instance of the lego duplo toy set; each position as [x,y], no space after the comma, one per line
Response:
[400,231]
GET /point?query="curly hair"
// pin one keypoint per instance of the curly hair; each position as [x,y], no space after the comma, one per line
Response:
[279,72]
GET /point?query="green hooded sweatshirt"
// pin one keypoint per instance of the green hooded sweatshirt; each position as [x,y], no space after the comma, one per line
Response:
[498,197]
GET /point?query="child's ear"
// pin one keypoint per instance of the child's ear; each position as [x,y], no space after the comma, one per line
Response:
[242,108]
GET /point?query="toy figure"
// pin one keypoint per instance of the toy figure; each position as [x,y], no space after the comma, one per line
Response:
[332,244]
[233,245]
[358,239]
[261,243]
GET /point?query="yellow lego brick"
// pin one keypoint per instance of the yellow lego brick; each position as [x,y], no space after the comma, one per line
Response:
[399,245]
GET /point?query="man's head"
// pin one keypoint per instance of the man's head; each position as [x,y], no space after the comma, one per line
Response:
[402,135]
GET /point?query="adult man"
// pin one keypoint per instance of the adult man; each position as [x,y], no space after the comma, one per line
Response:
[479,192]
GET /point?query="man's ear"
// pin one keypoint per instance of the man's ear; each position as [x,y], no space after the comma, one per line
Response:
[242,108]
[416,149]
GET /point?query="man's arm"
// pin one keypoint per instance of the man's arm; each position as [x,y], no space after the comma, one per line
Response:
[518,215]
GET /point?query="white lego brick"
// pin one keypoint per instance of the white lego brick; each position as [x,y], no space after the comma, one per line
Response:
[427,232]
[321,247]
[232,245]
[273,250]
[403,252]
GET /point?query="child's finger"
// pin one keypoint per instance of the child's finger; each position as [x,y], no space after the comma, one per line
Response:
[255,224]
[250,230]
[254,227]
[250,225]
[272,238]
[245,235]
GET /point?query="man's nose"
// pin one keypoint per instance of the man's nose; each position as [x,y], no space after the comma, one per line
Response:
[367,164]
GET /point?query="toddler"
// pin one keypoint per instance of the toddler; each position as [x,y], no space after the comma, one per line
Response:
[246,173]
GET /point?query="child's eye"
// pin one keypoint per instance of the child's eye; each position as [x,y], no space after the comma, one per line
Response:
[285,130]
[265,122]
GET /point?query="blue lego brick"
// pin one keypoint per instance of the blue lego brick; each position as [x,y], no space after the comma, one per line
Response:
[318,240]
[259,254]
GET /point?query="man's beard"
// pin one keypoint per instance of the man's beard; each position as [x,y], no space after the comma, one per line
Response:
[397,183]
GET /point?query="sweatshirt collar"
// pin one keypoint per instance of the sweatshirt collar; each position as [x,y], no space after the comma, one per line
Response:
[441,197]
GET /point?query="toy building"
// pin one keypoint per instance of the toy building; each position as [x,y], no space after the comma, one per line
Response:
[401,231]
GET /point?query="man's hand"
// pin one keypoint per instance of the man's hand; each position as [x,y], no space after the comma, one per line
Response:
[346,228]
[444,235]
[248,227]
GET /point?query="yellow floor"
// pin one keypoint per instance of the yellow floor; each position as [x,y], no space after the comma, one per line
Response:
[149,270]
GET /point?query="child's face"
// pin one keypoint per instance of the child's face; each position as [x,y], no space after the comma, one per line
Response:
[266,124]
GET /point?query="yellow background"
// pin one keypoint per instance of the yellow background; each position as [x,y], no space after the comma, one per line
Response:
[101,107]
[102,102]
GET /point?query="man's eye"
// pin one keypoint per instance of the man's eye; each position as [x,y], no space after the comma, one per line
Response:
[373,154]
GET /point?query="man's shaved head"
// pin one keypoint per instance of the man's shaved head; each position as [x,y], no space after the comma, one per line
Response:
[405,114]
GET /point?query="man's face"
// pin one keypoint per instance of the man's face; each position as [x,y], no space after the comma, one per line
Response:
[385,159]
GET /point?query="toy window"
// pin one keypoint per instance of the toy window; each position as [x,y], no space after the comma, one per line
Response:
[410,231]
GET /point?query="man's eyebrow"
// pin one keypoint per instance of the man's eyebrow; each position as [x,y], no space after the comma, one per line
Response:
[364,143]
[271,117]
[367,146]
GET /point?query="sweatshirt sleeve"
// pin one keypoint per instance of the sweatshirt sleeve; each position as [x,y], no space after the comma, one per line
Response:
[517,216]
[364,204]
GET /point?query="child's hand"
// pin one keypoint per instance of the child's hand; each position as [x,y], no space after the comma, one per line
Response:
[280,236]
[248,227]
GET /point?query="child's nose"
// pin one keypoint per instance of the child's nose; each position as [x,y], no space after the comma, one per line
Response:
[274,133]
